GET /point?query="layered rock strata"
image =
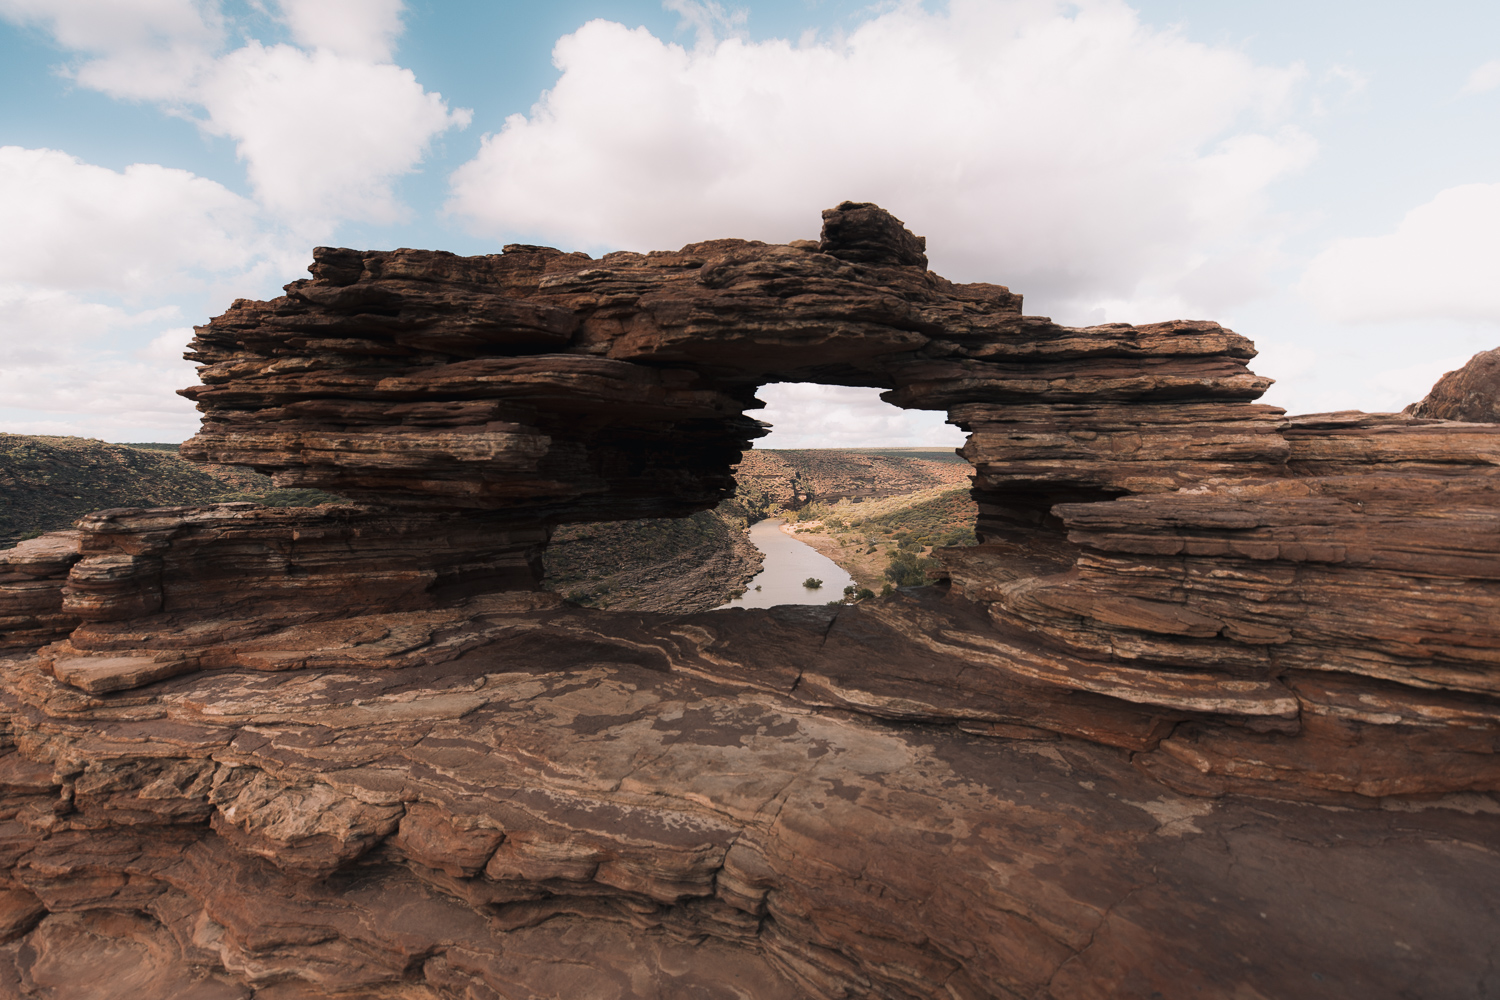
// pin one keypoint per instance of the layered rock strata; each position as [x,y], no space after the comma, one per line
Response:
[641,806]
[1211,710]
[32,576]
[613,389]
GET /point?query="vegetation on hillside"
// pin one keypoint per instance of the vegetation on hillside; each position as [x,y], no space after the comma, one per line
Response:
[703,561]
[772,483]
[889,542]
[47,483]
[907,505]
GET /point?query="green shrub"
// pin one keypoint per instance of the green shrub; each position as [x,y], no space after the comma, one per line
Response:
[907,569]
[812,583]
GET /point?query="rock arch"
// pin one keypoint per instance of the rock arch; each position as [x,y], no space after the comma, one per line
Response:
[1062,773]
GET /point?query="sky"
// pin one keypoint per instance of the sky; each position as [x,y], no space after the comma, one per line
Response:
[1322,177]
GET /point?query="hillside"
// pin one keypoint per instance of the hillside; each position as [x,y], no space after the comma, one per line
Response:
[889,541]
[861,509]
[662,564]
[781,480]
[46,482]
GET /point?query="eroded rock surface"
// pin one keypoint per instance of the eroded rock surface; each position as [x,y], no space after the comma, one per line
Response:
[1472,393]
[1212,710]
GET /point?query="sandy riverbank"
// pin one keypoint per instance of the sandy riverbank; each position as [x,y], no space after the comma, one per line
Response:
[867,568]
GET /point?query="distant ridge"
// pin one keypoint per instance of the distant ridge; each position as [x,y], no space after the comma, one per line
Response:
[48,482]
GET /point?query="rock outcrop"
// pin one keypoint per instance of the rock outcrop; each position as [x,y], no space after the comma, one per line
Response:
[694,563]
[1472,393]
[1212,710]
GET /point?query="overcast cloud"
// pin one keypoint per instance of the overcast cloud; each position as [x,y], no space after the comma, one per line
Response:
[1442,261]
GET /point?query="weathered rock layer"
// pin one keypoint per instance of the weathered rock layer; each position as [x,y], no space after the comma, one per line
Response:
[351,751]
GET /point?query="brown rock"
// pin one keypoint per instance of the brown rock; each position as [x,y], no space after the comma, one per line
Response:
[867,234]
[98,674]
[1472,393]
[1212,709]
[31,577]
[19,913]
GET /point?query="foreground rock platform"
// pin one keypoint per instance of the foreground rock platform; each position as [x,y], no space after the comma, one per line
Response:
[1211,710]
[702,805]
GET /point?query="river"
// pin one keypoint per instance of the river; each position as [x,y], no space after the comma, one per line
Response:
[788,563]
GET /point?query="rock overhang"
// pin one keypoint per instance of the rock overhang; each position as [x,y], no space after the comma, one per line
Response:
[1186,609]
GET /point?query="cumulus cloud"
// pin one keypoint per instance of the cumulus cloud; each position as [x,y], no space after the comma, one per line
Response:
[101,268]
[44,326]
[1068,151]
[67,367]
[1440,261]
[360,29]
[707,18]
[137,49]
[96,271]
[136,232]
[119,398]
[323,135]
[324,129]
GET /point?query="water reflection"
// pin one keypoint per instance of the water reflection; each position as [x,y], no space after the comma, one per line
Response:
[788,563]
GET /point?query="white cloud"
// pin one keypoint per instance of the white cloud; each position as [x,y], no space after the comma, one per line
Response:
[1071,153]
[361,29]
[66,367]
[1352,81]
[323,135]
[324,130]
[832,416]
[44,326]
[95,262]
[116,398]
[167,346]
[1337,87]
[139,231]
[1441,261]
[139,49]
[1392,389]
[1485,77]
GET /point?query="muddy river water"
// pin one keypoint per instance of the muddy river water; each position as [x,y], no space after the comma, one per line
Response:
[788,563]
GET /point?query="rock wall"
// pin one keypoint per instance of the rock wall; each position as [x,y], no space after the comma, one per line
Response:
[1211,710]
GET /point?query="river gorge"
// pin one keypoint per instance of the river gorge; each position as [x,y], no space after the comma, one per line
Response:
[788,562]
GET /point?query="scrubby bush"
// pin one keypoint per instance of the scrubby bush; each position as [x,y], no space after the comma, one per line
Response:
[906,569]
[812,583]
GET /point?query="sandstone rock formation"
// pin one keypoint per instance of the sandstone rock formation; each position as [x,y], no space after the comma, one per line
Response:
[693,563]
[1212,710]
[1471,393]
